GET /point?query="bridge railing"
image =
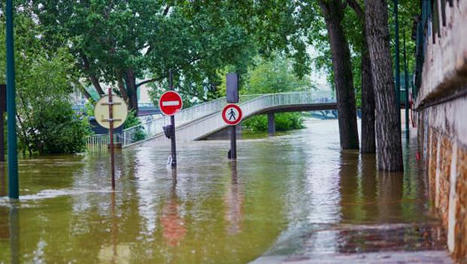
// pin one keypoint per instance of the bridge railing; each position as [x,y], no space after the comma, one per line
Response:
[153,125]
[211,123]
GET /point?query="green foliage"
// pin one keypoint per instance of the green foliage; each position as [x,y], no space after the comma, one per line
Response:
[133,121]
[127,43]
[258,123]
[45,119]
[58,130]
[284,122]
[275,75]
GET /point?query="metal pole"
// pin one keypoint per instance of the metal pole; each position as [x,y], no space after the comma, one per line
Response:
[397,60]
[111,128]
[406,79]
[13,188]
[2,120]
[233,143]
[14,234]
[173,144]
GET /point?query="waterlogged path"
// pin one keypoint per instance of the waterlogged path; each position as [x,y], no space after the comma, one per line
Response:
[293,199]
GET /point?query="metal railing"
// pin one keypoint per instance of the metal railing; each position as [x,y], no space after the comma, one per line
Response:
[154,125]
[203,119]
[214,122]
[101,141]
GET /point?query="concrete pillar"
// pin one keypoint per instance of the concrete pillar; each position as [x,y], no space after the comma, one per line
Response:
[271,124]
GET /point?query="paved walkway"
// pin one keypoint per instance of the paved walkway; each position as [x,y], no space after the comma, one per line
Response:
[386,243]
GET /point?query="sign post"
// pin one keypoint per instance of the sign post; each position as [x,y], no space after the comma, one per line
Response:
[169,104]
[232,97]
[111,112]
[232,115]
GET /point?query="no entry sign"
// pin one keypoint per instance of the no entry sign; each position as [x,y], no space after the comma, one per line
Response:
[170,103]
[232,114]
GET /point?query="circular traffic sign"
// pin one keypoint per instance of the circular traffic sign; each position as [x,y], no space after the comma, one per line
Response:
[170,103]
[232,114]
[119,111]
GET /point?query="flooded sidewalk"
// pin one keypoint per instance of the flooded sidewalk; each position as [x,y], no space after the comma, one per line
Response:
[295,198]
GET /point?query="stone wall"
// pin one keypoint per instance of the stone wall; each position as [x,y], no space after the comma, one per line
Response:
[441,108]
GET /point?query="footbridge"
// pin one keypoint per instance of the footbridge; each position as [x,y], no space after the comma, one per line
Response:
[201,120]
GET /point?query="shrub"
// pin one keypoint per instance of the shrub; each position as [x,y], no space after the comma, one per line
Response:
[284,122]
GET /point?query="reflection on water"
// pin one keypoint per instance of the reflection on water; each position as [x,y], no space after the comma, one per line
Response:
[173,224]
[234,203]
[284,195]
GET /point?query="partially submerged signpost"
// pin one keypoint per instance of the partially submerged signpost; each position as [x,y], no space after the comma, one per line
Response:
[232,113]
[169,104]
[111,112]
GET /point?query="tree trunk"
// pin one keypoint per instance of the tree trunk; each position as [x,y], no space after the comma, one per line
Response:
[131,90]
[388,133]
[92,77]
[333,12]
[368,103]
[122,89]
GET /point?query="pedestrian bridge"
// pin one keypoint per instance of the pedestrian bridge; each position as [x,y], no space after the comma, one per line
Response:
[202,120]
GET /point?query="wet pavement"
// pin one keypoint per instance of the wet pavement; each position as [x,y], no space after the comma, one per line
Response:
[290,199]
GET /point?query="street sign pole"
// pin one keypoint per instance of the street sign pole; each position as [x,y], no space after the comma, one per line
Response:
[233,143]
[112,151]
[232,97]
[173,144]
[13,188]
[111,112]
[232,116]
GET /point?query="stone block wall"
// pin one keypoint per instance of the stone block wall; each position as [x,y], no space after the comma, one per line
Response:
[441,108]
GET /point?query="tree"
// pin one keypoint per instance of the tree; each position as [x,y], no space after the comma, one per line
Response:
[46,121]
[333,12]
[368,144]
[275,75]
[128,44]
[388,132]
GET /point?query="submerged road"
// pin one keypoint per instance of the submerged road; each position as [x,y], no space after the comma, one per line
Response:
[288,199]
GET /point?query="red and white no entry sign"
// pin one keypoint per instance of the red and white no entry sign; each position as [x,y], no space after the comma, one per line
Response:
[170,103]
[232,114]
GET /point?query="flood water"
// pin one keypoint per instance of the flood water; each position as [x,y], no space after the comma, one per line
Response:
[296,194]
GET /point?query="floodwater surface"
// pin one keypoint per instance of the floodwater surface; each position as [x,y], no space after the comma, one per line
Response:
[296,194]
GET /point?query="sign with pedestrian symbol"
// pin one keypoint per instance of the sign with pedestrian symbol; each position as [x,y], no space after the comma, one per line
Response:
[232,114]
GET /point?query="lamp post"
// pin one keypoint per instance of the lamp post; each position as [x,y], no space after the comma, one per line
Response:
[13,189]
[397,60]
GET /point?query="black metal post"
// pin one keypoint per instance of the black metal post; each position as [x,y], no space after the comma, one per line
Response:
[233,142]
[173,144]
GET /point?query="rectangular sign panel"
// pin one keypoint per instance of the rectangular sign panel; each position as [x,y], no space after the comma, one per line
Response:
[232,88]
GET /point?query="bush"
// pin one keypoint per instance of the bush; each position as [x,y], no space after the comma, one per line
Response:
[57,129]
[132,121]
[284,122]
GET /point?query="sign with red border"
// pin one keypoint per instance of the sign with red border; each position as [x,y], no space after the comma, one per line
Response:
[170,103]
[232,114]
